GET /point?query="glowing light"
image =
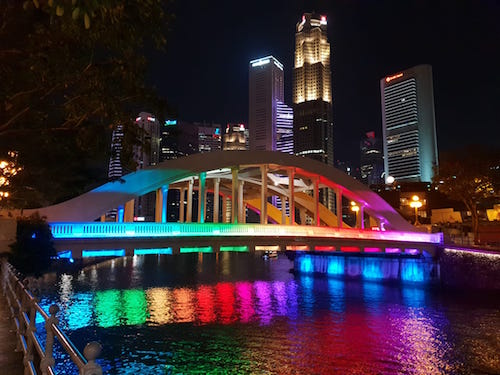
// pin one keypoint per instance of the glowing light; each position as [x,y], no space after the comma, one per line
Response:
[372,250]
[306,264]
[325,248]
[323,20]
[164,250]
[297,247]
[395,76]
[103,253]
[411,270]
[349,249]
[267,248]
[202,249]
[336,265]
[372,269]
[260,62]
[234,248]
[152,119]
[114,230]
[170,122]
[137,119]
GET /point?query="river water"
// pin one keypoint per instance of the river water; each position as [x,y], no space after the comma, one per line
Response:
[237,313]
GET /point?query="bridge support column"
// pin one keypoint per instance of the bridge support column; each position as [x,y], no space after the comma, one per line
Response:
[338,206]
[316,202]
[263,194]
[182,193]
[216,200]
[189,213]
[360,218]
[234,195]
[161,204]
[291,195]
[283,209]
[128,215]
[202,197]
[241,205]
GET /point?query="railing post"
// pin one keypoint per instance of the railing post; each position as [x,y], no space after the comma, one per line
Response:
[91,352]
[48,360]
[30,330]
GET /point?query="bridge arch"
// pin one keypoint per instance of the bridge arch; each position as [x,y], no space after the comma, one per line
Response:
[245,178]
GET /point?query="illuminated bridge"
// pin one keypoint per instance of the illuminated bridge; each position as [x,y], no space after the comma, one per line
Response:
[271,184]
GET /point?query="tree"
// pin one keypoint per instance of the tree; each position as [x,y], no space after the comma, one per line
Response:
[71,71]
[469,175]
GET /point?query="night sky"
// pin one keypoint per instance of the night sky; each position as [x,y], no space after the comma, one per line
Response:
[204,72]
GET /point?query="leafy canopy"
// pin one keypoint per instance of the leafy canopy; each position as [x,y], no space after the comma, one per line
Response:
[71,71]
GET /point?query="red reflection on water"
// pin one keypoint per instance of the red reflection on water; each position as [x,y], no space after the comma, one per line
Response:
[205,304]
[224,294]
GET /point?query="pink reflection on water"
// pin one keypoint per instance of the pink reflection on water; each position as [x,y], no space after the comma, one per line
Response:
[279,291]
[245,302]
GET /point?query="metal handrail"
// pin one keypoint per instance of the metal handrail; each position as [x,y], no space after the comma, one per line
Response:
[38,359]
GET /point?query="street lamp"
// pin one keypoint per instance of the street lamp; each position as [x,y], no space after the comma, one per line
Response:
[355,209]
[416,204]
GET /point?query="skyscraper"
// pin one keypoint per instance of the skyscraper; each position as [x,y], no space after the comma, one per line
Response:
[269,117]
[408,124]
[146,154]
[312,90]
[371,160]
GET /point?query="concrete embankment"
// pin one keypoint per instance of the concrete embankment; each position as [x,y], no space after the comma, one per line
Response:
[470,268]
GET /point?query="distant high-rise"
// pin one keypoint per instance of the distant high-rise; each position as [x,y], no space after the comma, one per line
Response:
[144,206]
[115,169]
[209,136]
[408,124]
[371,160]
[235,137]
[269,117]
[312,90]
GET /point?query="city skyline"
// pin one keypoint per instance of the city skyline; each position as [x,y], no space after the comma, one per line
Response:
[367,44]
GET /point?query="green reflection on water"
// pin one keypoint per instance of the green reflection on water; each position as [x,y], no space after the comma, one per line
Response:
[107,308]
[135,306]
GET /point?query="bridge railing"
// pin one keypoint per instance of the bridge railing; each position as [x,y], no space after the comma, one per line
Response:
[135,229]
[37,357]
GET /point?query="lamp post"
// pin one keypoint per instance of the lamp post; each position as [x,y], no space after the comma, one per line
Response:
[416,204]
[355,209]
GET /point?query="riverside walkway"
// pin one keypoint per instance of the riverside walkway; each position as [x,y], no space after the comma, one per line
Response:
[11,362]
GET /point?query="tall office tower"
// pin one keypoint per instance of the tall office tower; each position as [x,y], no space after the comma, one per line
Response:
[312,95]
[265,91]
[408,125]
[371,160]
[148,153]
[312,90]
[284,128]
[115,169]
[235,137]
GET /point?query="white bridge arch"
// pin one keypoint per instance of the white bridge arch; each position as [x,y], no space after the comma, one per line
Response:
[243,179]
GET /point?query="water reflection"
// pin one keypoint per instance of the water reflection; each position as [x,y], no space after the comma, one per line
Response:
[191,316]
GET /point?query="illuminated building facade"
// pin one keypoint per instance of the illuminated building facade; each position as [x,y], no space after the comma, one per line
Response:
[408,125]
[269,117]
[115,169]
[371,160]
[284,128]
[209,137]
[235,138]
[312,90]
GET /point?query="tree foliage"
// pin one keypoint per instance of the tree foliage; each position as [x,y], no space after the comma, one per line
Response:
[469,175]
[71,71]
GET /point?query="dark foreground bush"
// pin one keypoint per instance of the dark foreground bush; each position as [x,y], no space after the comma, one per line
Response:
[33,250]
